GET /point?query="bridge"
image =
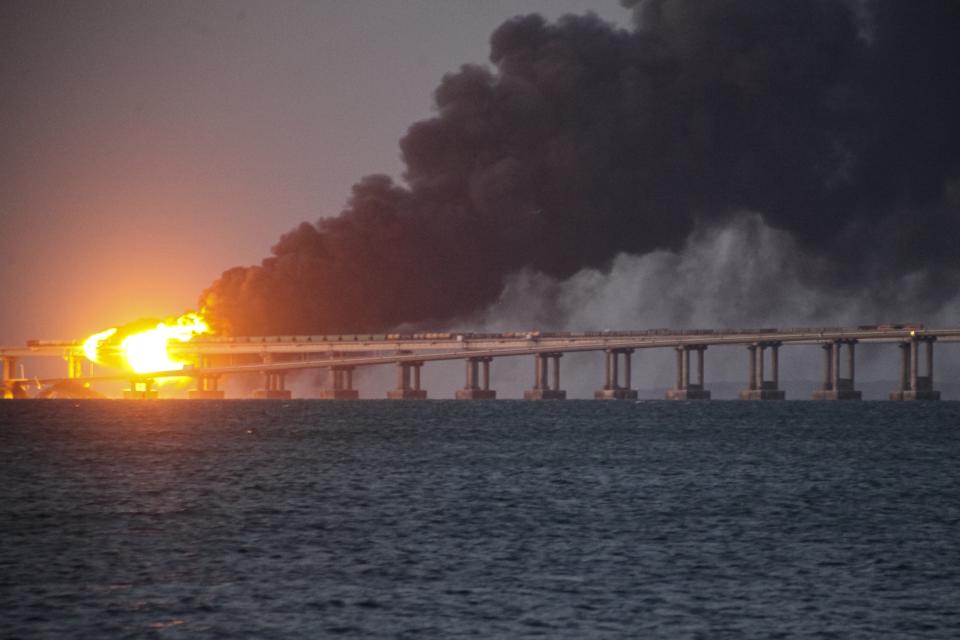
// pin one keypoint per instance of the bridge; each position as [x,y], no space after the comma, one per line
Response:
[274,357]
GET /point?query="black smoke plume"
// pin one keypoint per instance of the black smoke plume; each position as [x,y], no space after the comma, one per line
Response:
[837,121]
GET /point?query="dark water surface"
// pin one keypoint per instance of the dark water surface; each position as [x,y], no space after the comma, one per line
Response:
[487,519]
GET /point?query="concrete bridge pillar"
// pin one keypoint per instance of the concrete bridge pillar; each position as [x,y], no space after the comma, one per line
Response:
[10,386]
[914,386]
[827,365]
[835,366]
[206,385]
[75,365]
[905,348]
[408,382]
[612,389]
[685,390]
[274,382]
[274,386]
[341,384]
[834,386]
[543,388]
[9,368]
[759,355]
[207,389]
[477,386]
[141,389]
[914,364]
[761,388]
[852,363]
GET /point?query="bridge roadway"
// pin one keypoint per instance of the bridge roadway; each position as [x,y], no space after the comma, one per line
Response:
[457,346]
[257,345]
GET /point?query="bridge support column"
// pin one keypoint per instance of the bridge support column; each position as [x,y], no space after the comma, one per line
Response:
[477,386]
[685,390]
[913,386]
[274,386]
[10,386]
[273,383]
[141,389]
[341,385]
[207,389]
[612,389]
[543,388]
[408,383]
[206,385]
[835,387]
[75,365]
[760,387]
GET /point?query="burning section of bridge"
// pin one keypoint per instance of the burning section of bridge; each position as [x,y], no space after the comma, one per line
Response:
[142,347]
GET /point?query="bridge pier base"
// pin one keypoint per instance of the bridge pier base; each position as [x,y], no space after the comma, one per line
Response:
[274,383]
[912,385]
[141,389]
[206,389]
[684,389]
[206,385]
[693,392]
[612,389]
[206,394]
[341,385]
[15,391]
[615,394]
[477,386]
[408,383]
[75,365]
[762,394]
[10,388]
[542,387]
[274,387]
[271,394]
[760,388]
[835,387]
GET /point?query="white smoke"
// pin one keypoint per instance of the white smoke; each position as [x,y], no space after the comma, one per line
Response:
[744,275]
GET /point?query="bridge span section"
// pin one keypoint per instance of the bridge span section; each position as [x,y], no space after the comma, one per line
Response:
[273,357]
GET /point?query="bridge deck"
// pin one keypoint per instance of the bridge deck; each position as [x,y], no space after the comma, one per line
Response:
[366,350]
[466,341]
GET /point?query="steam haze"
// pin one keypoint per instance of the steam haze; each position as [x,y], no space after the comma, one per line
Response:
[826,127]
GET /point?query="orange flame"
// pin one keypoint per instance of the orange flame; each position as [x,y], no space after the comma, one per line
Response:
[144,350]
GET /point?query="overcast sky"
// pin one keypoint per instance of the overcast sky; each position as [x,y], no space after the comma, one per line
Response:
[148,146]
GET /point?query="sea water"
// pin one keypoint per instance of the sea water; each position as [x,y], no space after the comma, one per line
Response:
[446,519]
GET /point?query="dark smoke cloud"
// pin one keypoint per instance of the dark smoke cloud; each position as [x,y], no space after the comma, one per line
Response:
[836,121]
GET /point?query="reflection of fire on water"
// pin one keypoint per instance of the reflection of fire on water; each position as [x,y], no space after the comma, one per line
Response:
[141,347]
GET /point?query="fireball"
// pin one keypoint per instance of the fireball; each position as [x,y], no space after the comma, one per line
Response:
[141,347]
[92,344]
